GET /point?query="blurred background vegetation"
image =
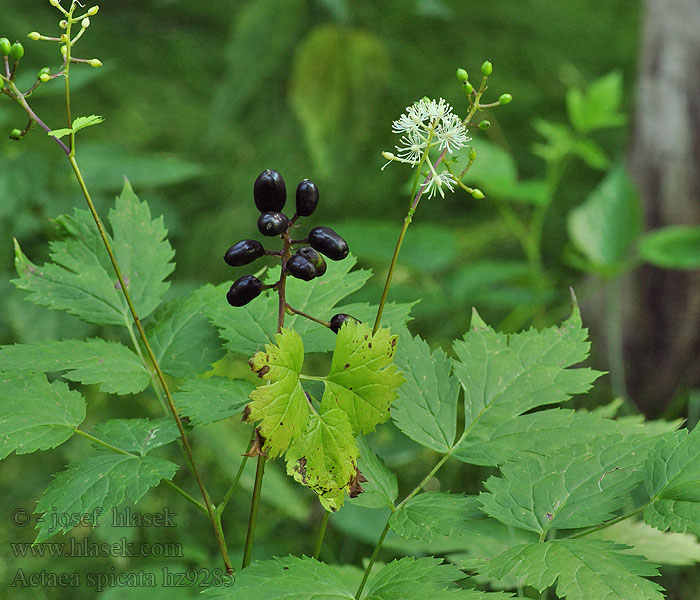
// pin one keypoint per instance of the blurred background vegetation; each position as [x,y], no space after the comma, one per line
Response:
[198,98]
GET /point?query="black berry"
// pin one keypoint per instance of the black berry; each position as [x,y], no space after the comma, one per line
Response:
[269,191]
[314,257]
[272,223]
[307,198]
[244,290]
[244,252]
[301,268]
[328,242]
[338,320]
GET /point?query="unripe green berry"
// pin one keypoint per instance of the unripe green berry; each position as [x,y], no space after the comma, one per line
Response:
[44,74]
[54,2]
[478,194]
[44,77]
[15,134]
[485,124]
[462,75]
[64,50]
[468,88]
[93,11]
[85,23]
[34,35]
[505,99]
[5,46]
[16,51]
[95,62]
[63,23]
[472,154]
[486,68]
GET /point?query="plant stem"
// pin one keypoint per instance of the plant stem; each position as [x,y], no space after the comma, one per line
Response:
[611,522]
[321,534]
[373,558]
[294,311]
[222,505]
[259,472]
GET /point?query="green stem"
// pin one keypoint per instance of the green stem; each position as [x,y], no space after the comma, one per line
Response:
[222,505]
[611,522]
[137,348]
[321,534]
[259,472]
[372,559]
[186,496]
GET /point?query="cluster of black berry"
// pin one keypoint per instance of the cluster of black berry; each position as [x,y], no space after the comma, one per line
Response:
[270,195]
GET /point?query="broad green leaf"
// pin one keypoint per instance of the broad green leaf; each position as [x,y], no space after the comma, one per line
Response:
[578,486]
[59,133]
[504,376]
[281,407]
[212,399]
[560,140]
[363,380]
[115,367]
[381,487]
[81,279]
[426,409]
[323,458]
[288,578]
[582,570]
[436,513]
[675,247]
[672,480]
[36,414]
[138,436]
[98,483]
[598,106]
[605,226]
[663,547]
[183,340]
[591,153]
[82,122]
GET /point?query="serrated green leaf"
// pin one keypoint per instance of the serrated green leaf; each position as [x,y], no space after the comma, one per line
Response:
[675,247]
[82,122]
[182,339]
[363,380]
[138,436]
[426,409]
[212,399]
[504,376]
[578,486]
[585,569]
[436,513]
[381,487]
[59,133]
[99,482]
[36,414]
[605,226]
[81,279]
[281,407]
[672,480]
[288,578]
[323,458]
[115,367]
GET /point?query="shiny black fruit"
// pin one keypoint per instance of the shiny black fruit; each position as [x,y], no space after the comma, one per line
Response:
[328,242]
[307,198]
[269,191]
[244,290]
[301,268]
[314,257]
[244,252]
[273,223]
[338,320]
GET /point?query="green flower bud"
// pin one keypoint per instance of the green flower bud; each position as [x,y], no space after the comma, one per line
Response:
[485,124]
[505,99]
[5,46]
[16,51]
[44,71]
[93,11]
[34,35]
[16,134]
[486,68]
[477,194]
[472,154]
[468,88]
[85,23]
[462,75]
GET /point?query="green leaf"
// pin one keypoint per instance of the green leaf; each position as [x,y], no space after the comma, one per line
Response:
[504,376]
[212,399]
[81,279]
[381,487]
[323,458]
[281,407]
[290,578]
[605,226]
[426,409]
[436,513]
[363,380]
[36,414]
[598,106]
[591,153]
[59,133]
[115,367]
[578,486]
[183,340]
[138,436]
[99,482]
[672,480]
[585,569]
[82,122]
[675,247]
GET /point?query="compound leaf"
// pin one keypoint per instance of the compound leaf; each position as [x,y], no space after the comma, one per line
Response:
[115,367]
[138,436]
[36,414]
[381,487]
[212,399]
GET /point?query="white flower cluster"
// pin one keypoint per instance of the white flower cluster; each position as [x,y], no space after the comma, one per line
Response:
[429,124]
